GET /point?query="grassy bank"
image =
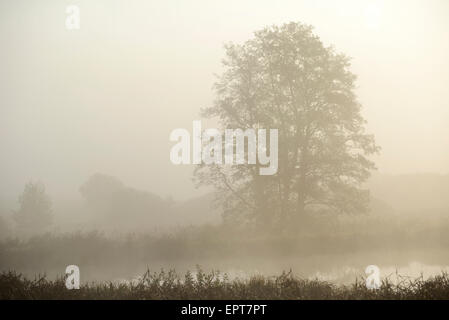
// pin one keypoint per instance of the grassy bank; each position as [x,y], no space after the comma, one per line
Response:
[200,285]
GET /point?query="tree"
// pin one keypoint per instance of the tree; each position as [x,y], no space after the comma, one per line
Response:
[116,205]
[285,78]
[35,212]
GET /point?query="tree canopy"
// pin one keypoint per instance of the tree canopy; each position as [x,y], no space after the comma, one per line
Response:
[285,78]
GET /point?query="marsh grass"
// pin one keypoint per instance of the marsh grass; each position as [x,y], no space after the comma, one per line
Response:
[215,285]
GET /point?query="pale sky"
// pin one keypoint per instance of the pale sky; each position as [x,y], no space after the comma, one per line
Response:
[106,97]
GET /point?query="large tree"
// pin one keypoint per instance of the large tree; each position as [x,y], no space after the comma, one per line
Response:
[285,78]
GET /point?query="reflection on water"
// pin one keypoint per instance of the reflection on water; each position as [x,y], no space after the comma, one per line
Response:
[337,268]
[394,274]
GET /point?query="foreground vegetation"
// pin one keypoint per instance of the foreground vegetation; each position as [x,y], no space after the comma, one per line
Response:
[214,285]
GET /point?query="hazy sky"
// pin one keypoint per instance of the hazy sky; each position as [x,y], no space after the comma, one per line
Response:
[105,98]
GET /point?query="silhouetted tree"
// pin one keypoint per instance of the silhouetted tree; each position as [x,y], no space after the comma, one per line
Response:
[35,211]
[285,78]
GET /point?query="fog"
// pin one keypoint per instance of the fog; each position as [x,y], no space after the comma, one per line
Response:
[106,97]
[101,101]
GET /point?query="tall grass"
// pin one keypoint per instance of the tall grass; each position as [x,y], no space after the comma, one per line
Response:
[214,285]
